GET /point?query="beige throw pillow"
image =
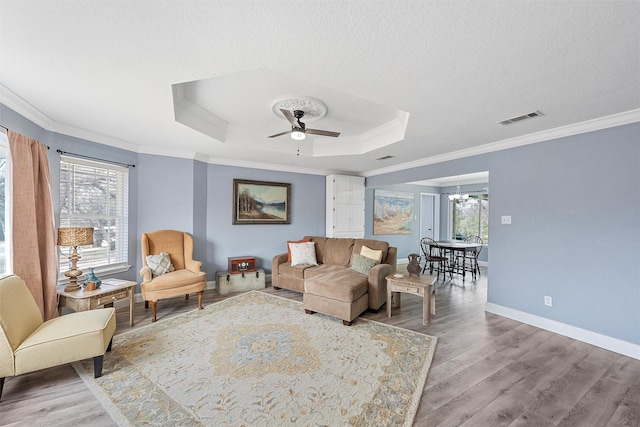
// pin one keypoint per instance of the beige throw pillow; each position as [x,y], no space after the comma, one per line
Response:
[371,253]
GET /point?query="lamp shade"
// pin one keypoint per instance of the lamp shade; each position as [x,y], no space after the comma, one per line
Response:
[75,236]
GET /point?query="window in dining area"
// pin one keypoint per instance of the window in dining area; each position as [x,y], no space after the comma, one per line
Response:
[470,217]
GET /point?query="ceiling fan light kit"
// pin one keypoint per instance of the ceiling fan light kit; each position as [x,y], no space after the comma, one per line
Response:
[299,130]
[298,135]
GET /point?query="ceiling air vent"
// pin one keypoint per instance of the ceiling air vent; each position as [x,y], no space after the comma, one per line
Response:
[385,157]
[520,118]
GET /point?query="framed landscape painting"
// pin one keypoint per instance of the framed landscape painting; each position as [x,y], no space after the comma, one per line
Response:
[392,212]
[259,202]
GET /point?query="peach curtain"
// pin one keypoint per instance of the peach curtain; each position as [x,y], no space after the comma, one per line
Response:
[33,243]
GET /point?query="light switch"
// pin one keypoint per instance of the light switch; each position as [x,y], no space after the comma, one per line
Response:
[506,219]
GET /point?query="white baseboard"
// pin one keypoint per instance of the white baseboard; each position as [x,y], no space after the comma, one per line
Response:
[609,343]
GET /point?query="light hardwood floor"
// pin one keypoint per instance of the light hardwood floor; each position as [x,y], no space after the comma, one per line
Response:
[487,371]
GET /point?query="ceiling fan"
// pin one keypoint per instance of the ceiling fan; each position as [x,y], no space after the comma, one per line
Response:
[299,129]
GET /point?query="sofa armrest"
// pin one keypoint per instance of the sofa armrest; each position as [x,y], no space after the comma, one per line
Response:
[378,285]
[277,260]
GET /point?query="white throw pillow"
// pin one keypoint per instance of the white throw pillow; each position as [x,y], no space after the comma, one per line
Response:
[160,264]
[303,253]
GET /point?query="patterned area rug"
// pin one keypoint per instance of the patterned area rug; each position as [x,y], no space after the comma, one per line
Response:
[259,360]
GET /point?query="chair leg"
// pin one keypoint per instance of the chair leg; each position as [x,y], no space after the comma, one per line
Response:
[110,343]
[146,304]
[97,366]
[186,297]
[153,310]
[1,386]
[200,294]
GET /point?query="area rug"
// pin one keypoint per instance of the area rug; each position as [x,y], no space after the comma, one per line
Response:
[258,360]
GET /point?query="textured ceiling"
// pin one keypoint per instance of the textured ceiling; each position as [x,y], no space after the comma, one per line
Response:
[105,71]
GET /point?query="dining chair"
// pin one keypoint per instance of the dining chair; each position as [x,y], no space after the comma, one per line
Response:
[470,258]
[434,254]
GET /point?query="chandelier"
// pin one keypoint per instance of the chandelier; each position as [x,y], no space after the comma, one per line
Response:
[457,196]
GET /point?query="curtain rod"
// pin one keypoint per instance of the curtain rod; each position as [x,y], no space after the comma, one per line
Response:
[7,131]
[472,191]
[82,156]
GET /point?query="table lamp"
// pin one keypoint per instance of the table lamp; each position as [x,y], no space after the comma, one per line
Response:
[74,236]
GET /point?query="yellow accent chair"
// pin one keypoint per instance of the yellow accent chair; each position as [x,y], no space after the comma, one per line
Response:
[186,276]
[28,344]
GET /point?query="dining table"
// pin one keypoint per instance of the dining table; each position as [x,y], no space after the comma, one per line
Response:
[453,247]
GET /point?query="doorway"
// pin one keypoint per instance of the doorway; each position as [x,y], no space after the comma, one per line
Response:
[430,215]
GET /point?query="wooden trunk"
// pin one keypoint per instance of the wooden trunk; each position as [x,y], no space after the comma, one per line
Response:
[227,283]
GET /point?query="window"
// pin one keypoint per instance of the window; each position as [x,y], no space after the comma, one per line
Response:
[95,194]
[470,217]
[5,267]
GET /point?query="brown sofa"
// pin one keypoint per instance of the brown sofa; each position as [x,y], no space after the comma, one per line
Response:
[332,287]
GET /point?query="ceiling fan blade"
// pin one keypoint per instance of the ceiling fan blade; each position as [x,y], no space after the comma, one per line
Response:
[289,116]
[323,132]
[281,133]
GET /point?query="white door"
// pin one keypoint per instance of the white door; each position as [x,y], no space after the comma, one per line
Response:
[429,216]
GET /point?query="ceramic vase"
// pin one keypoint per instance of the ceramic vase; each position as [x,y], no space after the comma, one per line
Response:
[414,264]
[91,278]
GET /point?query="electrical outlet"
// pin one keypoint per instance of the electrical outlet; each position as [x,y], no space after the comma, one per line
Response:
[505,219]
[548,301]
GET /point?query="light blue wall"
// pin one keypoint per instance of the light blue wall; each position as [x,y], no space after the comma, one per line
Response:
[183,194]
[575,232]
[56,141]
[406,243]
[410,243]
[166,199]
[574,203]
[262,241]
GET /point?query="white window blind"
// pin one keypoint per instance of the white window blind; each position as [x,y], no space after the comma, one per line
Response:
[95,194]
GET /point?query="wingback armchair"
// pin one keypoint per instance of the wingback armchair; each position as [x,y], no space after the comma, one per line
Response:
[185,277]
[28,344]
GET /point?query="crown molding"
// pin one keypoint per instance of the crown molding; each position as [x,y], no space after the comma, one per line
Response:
[266,166]
[22,107]
[605,122]
[98,138]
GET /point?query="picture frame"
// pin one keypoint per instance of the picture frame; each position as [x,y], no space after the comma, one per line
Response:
[261,202]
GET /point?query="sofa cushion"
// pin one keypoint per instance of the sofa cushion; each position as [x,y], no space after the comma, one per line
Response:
[342,285]
[160,264]
[337,251]
[320,269]
[296,271]
[362,264]
[320,244]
